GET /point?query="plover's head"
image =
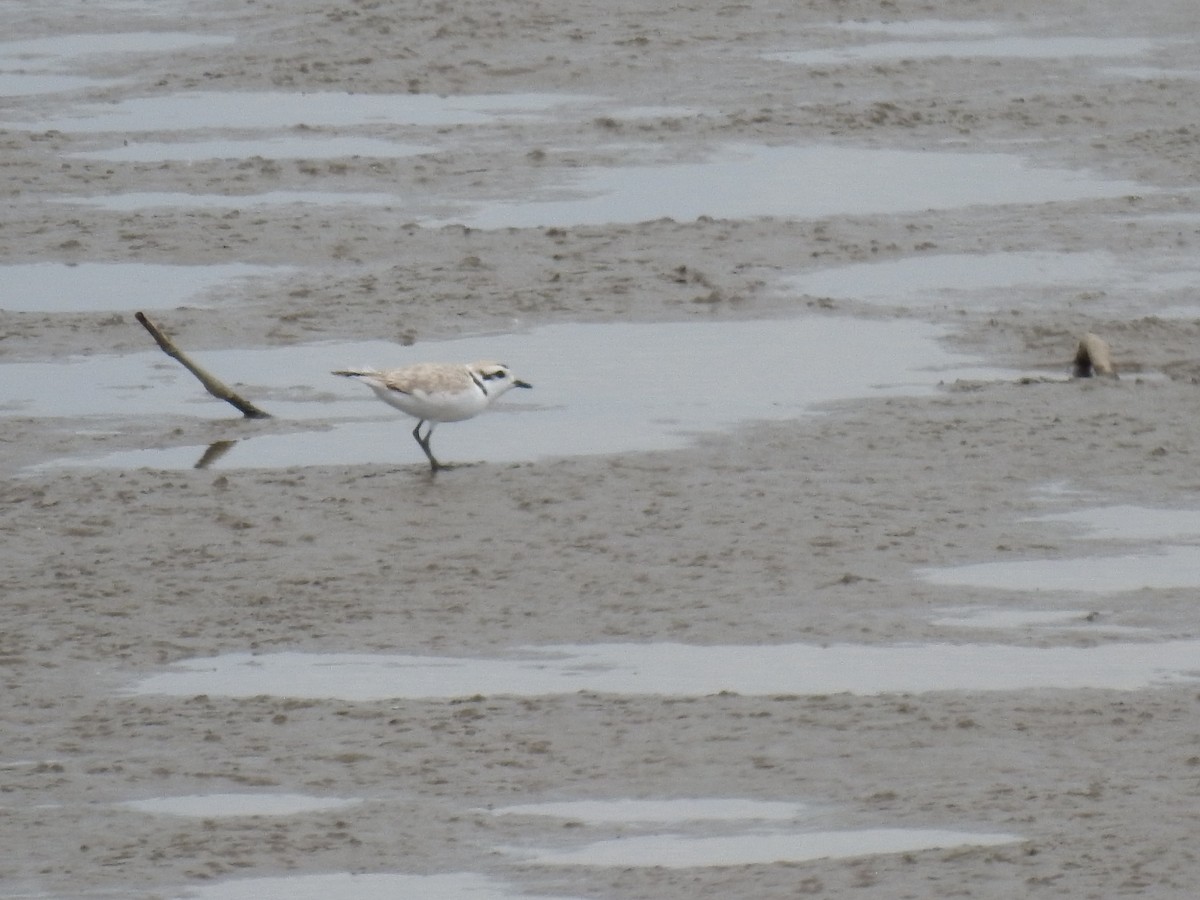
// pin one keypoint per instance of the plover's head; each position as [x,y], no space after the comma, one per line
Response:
[497,377]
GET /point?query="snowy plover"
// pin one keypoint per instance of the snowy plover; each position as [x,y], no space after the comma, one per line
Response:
[438,392]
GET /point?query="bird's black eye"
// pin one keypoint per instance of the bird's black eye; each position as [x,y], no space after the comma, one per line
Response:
[493,375]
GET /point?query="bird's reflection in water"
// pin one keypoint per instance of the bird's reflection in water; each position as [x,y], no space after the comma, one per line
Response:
[213,452]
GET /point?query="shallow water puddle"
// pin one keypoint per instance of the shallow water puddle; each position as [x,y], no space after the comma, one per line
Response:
[49,65]
[95,287]
[923,28]
[19,84]
[270,147]
[1130,523]
[1159,569]
[690,378]
[683,670]
[281,109]
[989,279]
[747,181]
[933,279]
[675,851]
[65,49]
[740,182]
[218,805]
[345,886]
[1150,73]
[750,844]
[136,200]
[1041,619]
[997,47]
[294,146]
[1156,567]
[688,809]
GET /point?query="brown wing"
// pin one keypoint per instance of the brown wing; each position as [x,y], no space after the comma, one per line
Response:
[430,378]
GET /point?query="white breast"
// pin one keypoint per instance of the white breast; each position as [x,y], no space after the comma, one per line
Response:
[435,406]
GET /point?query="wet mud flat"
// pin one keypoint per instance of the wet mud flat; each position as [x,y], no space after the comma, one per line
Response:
[805,569]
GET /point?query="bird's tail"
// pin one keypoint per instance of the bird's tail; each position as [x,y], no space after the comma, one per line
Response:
[356,373]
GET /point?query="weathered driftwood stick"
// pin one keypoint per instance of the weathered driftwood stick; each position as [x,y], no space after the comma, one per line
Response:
[1093,356]
[217,388]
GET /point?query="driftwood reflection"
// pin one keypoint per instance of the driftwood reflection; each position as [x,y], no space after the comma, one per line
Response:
[213,452]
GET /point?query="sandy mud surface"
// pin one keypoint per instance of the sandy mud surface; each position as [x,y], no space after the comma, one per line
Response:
[819,531]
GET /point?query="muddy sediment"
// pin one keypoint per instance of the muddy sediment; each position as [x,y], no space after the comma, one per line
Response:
[811,531]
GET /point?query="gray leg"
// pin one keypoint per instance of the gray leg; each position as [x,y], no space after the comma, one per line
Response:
[424,443]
